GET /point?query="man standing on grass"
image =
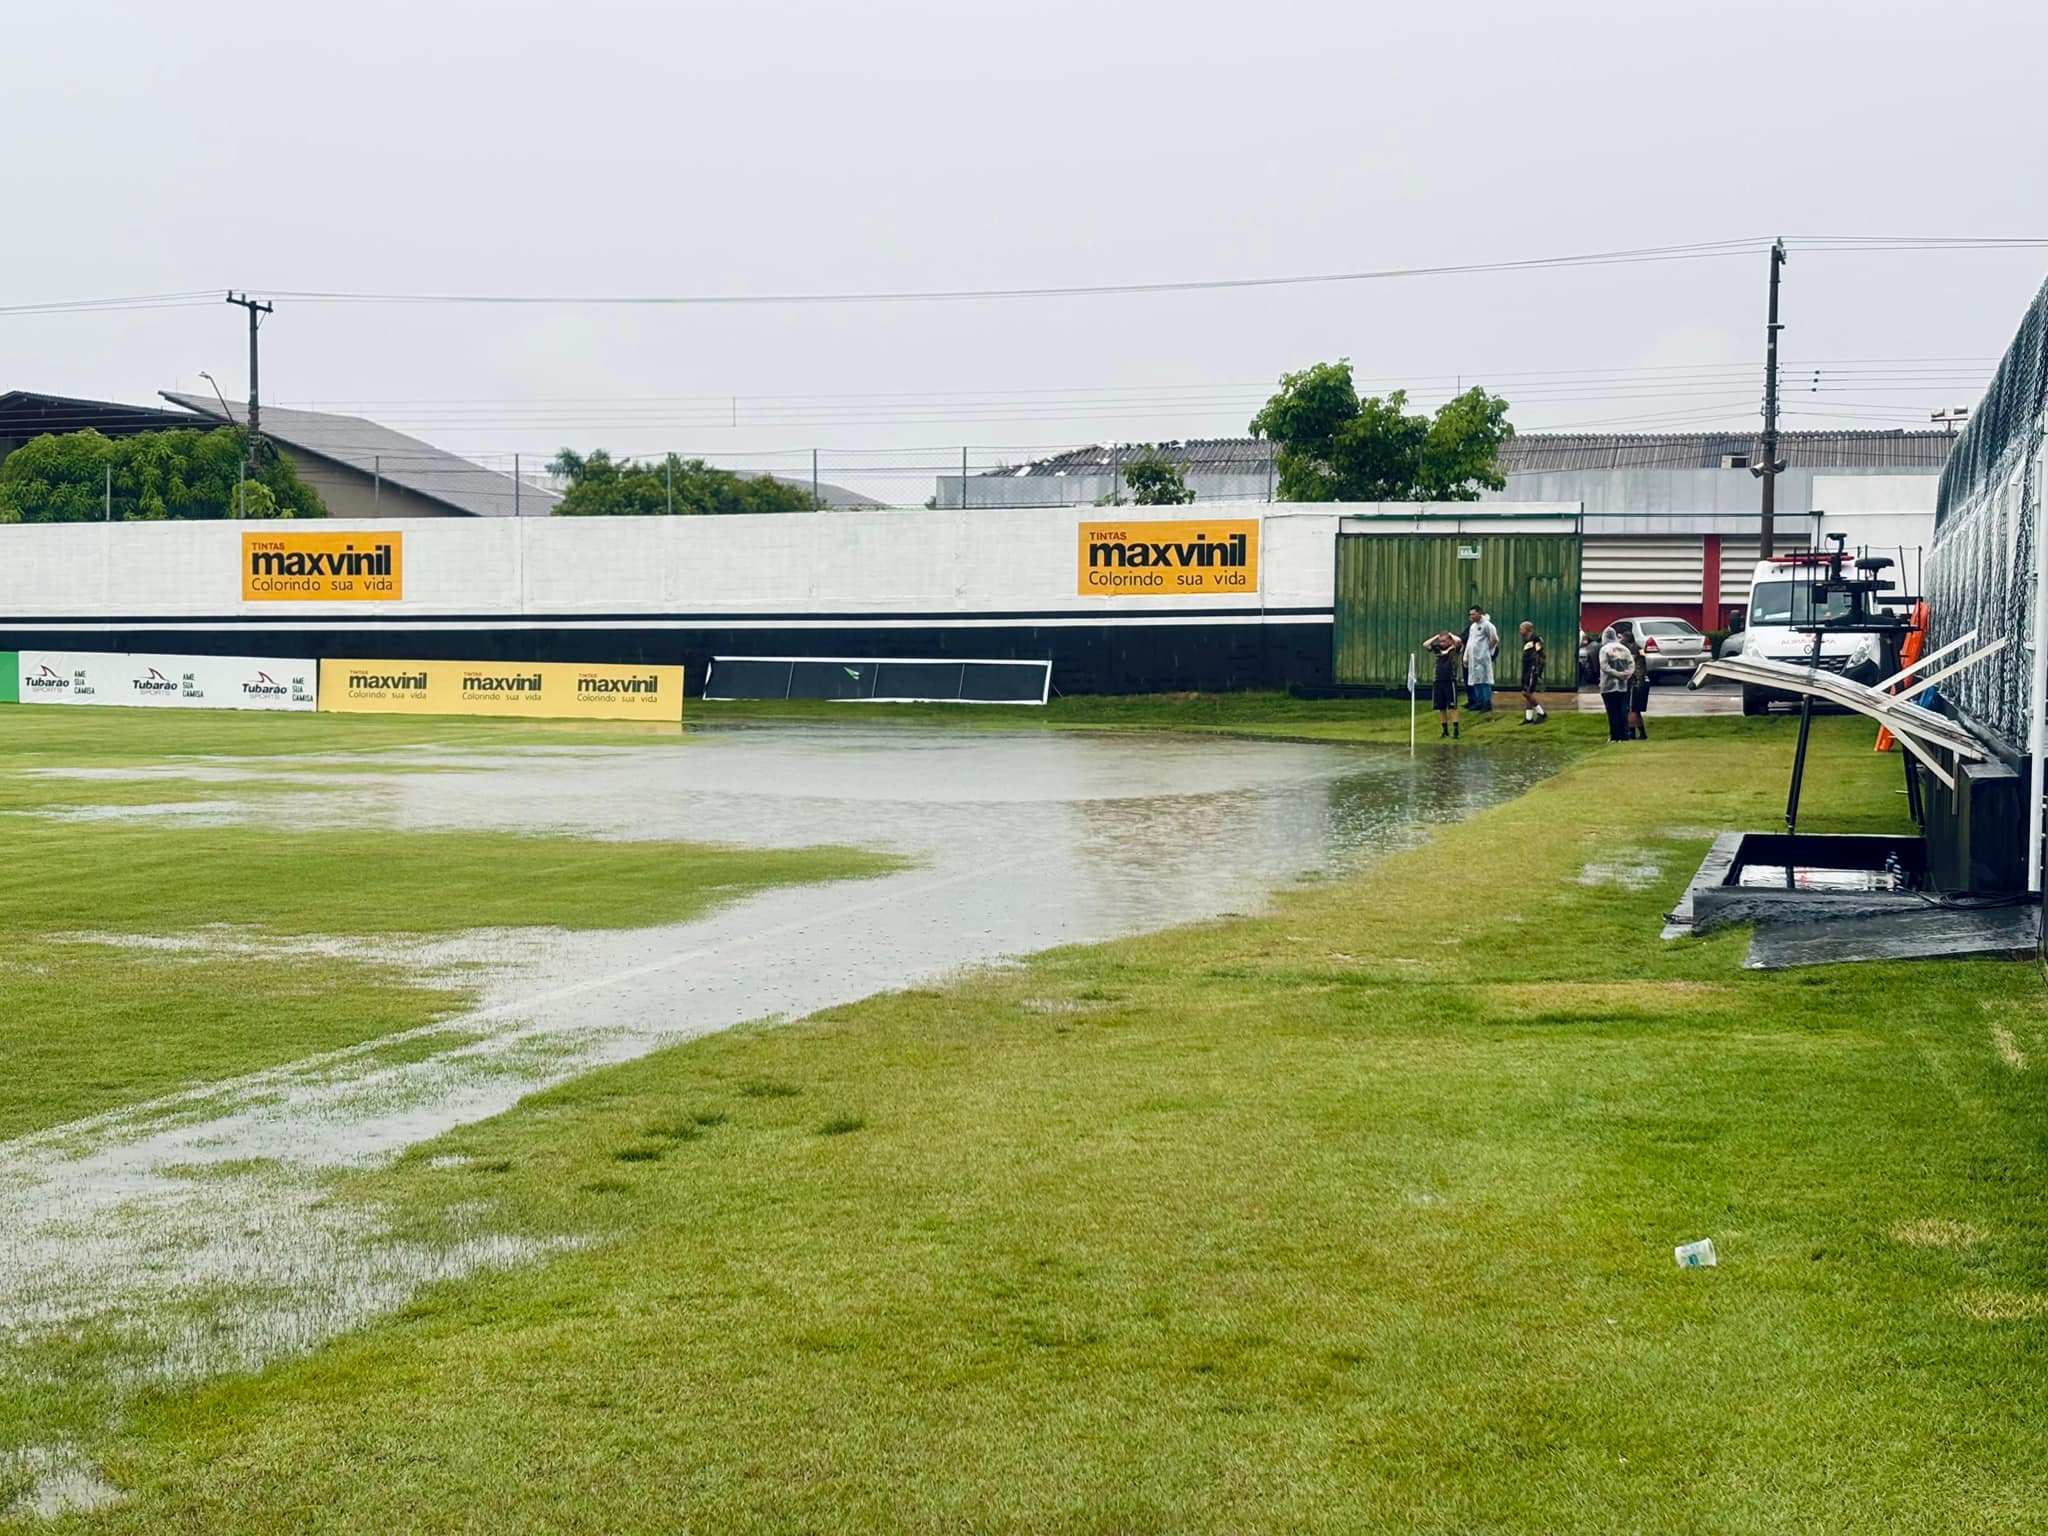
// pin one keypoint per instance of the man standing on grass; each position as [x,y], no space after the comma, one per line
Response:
[1617,682]
[1482,644]
[1533,713]
[1443,696]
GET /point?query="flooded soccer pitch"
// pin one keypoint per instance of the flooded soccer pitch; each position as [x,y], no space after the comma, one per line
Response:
[195,1235]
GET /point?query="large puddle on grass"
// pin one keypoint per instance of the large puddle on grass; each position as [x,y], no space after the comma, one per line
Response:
[190,1235]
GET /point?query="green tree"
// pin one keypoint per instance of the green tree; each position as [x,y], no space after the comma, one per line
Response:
[601,486]
[177,475]
[1157,482]
[1331,444]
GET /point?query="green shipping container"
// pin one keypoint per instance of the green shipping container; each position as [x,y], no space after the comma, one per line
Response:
[10,678]
[1395,590]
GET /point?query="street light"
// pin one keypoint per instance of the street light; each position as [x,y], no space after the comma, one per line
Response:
[242,470]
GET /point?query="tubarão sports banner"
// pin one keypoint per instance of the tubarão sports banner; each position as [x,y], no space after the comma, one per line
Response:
[536,690]
[167,682]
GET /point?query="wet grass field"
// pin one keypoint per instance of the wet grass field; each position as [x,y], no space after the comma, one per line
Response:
[90,1021]
[1357,1214]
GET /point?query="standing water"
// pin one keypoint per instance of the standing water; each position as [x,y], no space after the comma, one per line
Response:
[193,1233]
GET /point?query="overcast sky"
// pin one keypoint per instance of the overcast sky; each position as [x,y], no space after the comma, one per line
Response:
[790,146]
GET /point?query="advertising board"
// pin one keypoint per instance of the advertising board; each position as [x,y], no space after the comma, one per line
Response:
[1182,558]
[167,682]
[294,567]
[540,690]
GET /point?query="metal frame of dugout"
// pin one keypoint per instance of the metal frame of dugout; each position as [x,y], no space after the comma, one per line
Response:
[1889,885]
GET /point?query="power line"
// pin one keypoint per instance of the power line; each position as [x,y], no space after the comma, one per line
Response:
[1696,251]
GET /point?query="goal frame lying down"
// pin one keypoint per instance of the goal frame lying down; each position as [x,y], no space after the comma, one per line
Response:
[965,667]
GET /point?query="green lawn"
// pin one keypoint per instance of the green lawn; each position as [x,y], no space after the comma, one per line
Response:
[1277,716]
[1354,1217]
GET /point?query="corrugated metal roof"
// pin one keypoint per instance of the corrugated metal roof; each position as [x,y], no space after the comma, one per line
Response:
[1244,455]
[1546,452]
[370,449]
[25,414]
[1550,452]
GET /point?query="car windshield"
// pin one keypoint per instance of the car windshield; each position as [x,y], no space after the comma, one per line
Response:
[1665,628]
[1792,602]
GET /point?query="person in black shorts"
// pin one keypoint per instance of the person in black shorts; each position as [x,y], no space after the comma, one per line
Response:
[1443,694]
[1533,658]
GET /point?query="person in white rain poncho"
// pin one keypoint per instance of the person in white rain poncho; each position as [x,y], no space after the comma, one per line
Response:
[1617,682]
[1482,644]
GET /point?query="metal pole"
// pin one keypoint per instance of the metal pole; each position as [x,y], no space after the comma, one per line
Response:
[110,493]
[963,478]
[670,465]
[814,479]
[1766,543]
[377,483]
[257,310]
[1799,758]
[515,485]
[1116,475]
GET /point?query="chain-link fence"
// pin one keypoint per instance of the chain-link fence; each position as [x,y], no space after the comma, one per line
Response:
[1987,538]
[1037,475]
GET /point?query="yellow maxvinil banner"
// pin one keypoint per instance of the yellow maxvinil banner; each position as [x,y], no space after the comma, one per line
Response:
[539,690]
[323,567]
[1166,559]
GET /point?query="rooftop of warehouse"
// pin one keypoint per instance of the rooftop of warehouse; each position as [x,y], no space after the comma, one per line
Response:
[1548,452]
[371,449]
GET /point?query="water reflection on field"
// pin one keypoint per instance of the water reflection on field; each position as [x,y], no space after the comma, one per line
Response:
[193,1235]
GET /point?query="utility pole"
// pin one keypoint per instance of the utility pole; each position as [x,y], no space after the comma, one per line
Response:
[257,310]
[1770,469]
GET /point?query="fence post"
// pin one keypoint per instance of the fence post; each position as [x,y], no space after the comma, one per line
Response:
[1116,474]
[377,484]
[963,479]
[515,485]
[110,492]
[669,463]
[814,479]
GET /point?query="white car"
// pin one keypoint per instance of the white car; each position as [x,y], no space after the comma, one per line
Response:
[1670,645]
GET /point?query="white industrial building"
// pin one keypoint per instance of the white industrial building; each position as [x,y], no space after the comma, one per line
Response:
[1670,520]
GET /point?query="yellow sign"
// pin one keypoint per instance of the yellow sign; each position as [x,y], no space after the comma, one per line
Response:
[1144,559]
[323,567]
[539,690]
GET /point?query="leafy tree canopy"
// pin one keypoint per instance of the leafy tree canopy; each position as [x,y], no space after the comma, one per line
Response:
[1157,482]
[1334,445]
[186,473]
[601,486]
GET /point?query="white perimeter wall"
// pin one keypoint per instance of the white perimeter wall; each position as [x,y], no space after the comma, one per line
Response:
[846,563]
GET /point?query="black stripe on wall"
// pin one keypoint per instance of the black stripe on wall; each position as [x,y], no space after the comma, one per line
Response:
[1101,658]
